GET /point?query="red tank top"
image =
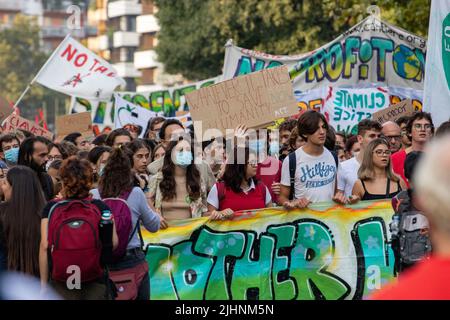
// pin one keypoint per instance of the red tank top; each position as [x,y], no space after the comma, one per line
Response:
[254,199]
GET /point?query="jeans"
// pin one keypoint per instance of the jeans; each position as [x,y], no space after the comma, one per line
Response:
[131,259]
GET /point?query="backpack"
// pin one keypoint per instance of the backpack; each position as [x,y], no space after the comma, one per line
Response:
[293,166]
[122,220]
[74,240]
[409,231]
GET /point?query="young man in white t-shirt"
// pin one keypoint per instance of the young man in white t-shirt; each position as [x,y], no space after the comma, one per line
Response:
[368,131]
[315,170]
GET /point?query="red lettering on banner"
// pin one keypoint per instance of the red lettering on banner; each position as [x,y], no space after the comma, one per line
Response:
[102,69]
[69,52]
[77,59]
[95,63]
[111,74]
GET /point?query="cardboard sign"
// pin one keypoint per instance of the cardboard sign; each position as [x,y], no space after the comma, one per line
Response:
[5,109]
[394,112]
[77,122]
[16,122]
[254,100]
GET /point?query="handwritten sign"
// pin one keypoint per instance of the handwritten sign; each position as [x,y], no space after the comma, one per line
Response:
[78,122]
[394,112]
[254,100]
[14,122]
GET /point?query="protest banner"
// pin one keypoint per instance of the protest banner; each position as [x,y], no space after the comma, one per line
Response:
[344,108]
[255,99]
[340,252]
[437,75]
[75,70]
[394,112]
[14,122]
[372,53]
[166,100]
[129,113]
[77,122]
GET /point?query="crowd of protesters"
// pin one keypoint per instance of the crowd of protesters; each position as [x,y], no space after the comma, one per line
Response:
[163,177]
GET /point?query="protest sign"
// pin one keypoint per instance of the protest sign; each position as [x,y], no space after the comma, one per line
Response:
[129,113]
[372,53]
[394,112]
[5,109]
[75,70]
[437,75]
[344,252]
[254,99]
[346,107]
[77,122]
[166,100]
[16,122]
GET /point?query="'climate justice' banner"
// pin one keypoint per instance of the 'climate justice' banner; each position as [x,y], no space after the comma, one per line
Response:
[323,252]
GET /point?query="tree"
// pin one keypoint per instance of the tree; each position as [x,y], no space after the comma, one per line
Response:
[193,33]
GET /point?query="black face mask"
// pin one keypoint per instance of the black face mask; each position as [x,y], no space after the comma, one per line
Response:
[36,167]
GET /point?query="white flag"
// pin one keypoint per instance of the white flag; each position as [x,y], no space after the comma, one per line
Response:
[437,72]
[75,70]
[128,113]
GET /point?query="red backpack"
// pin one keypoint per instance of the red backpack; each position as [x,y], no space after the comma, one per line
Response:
[73,239]
[122,220]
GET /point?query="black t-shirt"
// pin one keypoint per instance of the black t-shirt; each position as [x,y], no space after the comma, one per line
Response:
[47,185]
[100,204]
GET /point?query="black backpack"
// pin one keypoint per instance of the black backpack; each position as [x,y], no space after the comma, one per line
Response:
[410,238]
[293,166]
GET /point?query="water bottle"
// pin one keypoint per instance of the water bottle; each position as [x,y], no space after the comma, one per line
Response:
[394,226]
[106,232]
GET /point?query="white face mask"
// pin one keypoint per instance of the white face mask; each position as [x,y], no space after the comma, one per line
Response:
[47,165]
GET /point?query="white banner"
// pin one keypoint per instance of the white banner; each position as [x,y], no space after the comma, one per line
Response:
[128,113]
[75,70]
[437,79]
[344,108]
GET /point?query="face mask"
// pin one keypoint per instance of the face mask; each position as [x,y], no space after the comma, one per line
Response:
[47,165]
[256,145]
[101,170]
[183,159]
[12,155]
[274,148]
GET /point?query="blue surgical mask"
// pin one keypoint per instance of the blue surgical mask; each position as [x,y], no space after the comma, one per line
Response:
[274,148]
[256,145]
[101,170]
[183,159]
[12,155]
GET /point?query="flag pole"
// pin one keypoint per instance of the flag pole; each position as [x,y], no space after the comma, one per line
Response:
[40,70]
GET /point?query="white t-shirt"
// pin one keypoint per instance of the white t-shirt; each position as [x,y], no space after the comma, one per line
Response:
[213,196]
[347,175]
[315,176]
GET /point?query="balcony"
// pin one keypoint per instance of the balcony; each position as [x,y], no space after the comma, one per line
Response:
[61,32]
[124,8]
[146,59]
[125,39]
[103,43]
[147,24]
[126,70]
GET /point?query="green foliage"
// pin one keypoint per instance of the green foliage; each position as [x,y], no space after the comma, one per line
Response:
[194,32]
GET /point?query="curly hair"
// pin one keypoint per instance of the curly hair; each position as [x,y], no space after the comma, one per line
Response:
[117,176]
[77,178]
[167,185]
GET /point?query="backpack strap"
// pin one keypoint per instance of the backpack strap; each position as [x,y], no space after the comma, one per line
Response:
[292,166]
[336,159]
[124,195]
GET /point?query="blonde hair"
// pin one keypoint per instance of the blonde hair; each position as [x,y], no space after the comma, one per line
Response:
[432,182]
[367,171]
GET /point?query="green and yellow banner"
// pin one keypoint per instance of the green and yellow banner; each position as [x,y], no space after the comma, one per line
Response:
[326,251]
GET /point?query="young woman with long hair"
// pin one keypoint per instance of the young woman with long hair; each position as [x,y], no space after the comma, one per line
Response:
[20,219]
[140,156]
[178,191]
[118,181]
[240,190]
[376,178]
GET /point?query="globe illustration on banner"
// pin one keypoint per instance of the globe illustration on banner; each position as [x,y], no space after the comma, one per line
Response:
[406,63]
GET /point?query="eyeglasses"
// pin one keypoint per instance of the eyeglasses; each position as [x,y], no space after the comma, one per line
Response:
[419,126]
[388,138]
[253,163]
[51,158]
[383,152]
